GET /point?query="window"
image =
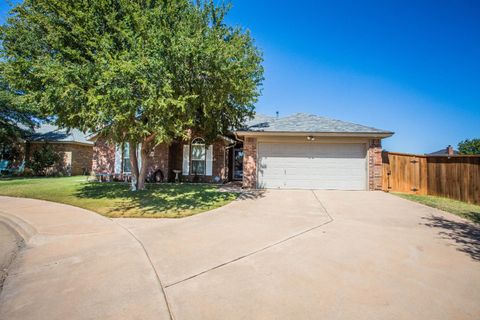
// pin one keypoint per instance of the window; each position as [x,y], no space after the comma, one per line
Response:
[126,158]
[198,157]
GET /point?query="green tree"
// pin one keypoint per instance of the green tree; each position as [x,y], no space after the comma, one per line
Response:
[469,146]
[136,71]
[17,119]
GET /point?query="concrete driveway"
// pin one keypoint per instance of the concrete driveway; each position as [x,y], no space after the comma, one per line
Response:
[278,255]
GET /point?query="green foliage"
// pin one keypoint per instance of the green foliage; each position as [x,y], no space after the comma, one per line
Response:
[469,146]
[16,118]
[42,159]
[134,70]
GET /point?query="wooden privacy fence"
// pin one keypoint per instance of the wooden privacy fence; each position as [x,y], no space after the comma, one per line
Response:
[456,177]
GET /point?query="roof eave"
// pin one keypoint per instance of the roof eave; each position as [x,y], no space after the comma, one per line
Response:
[380,135]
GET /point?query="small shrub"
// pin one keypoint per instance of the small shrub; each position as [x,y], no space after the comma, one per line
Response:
[43,159]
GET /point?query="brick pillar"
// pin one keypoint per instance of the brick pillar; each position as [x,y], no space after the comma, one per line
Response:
[250,163]
[375,165]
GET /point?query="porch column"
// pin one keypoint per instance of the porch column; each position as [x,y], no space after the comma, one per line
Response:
[250,163]
[375,165]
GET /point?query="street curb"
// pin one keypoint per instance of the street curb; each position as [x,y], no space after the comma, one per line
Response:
[19,226]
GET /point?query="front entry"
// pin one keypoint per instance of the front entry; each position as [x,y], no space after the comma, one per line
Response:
[237,164]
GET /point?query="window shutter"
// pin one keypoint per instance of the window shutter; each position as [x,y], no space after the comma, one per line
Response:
[139,156]
[117,168]
[209,160]
[186,160]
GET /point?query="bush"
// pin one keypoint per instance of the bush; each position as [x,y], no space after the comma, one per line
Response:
[469,146]
[43,159]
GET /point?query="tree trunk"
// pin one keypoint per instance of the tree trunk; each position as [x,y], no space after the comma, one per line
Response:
[139,175]
[134,166]
[144,150]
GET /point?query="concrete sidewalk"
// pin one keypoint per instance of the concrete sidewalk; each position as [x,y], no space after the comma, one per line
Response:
[76,265]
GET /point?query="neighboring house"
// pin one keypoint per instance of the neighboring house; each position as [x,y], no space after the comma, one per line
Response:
[73,146]
[448,151]
[299,151]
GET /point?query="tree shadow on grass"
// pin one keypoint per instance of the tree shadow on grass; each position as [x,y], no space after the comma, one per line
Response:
[465,235]
[173,200]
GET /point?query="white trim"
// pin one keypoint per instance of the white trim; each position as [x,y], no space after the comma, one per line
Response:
[139,157]
[186,160]
[118,159]
[209,160]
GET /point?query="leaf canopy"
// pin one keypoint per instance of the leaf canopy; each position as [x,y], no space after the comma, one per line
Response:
[132,69]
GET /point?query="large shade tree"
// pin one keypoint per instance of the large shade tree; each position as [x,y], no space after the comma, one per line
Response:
[17,121]
[136,71]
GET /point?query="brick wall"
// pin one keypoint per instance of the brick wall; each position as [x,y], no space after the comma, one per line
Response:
[103,160]
[159,160]
[375,165]
[250,163]
[81,156]
[218,163]
[164,157]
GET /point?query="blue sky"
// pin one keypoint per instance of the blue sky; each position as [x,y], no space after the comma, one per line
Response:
[412,67]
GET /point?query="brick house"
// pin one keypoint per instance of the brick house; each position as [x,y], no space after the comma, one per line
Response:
[300,151]
[74,148]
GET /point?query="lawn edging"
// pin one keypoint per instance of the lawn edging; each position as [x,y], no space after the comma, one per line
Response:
[115,200]
[467,211]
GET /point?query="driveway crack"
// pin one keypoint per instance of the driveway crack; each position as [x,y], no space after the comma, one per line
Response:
[159,281]
[329,220]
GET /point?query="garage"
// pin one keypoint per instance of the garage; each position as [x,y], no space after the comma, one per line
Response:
[341,166]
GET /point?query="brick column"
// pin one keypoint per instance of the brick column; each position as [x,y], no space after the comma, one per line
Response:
[375,165]
[250,163]
[103,160]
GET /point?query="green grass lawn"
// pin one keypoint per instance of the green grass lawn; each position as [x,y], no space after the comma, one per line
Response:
[462,209]
[116,200]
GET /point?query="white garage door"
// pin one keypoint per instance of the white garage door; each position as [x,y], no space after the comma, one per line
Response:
[312,166]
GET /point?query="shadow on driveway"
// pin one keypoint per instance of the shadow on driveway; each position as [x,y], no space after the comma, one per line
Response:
[465,235]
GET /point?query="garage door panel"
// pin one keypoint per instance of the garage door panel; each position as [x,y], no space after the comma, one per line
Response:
[312,166]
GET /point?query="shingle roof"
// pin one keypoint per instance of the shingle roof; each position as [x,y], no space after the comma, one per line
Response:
[51,133]
[442,152]
[302,122]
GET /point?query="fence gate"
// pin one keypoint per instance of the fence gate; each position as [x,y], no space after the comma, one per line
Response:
[404,173]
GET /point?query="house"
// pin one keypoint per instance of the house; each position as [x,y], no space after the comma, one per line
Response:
[74,148]
[299,151]
[448,151]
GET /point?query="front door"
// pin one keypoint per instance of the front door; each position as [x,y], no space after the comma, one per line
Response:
[237,164]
